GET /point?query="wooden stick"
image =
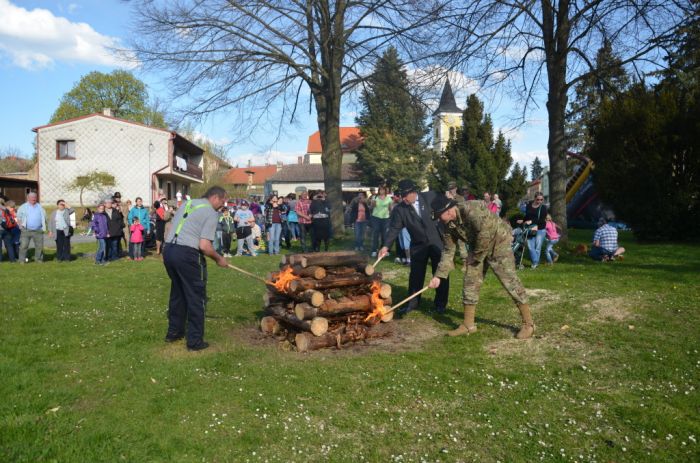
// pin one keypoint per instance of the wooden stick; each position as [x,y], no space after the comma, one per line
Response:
[245,272]
[377,261]
[414,295]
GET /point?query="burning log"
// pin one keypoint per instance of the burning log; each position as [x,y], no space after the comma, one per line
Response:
[317,326]
[305,342]
[330,307]
[313,297]
[330,282]
[325,299]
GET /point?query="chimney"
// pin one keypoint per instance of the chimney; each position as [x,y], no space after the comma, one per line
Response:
[107,112]
[249,163]
[279,165]
[300,159]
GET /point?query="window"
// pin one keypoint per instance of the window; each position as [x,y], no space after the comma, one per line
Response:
[65,149]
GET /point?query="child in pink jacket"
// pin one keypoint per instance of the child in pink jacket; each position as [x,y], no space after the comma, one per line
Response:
[552,239]
[136,241]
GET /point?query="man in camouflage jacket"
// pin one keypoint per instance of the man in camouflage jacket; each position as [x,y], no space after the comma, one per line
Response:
[489,239]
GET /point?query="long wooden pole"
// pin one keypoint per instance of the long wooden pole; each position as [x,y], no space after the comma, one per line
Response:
[412,296]
[245,272]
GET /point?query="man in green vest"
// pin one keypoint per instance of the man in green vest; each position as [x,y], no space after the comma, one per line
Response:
[187,243]
[489,240]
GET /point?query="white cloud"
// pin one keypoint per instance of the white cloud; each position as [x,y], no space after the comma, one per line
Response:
[35,39]
[266,157]
[525,158]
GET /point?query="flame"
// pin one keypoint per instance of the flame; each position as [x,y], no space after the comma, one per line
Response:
[284,278]
[377,302]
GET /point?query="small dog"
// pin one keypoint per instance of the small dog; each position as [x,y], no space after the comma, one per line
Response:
[581,250]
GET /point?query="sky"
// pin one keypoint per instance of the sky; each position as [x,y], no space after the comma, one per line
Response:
[47,45]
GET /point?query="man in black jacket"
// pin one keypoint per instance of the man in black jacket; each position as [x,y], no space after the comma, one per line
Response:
[415,214]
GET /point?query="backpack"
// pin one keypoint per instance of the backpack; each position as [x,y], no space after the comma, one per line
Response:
[8,221]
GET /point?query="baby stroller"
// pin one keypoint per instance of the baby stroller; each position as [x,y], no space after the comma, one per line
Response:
[519,245]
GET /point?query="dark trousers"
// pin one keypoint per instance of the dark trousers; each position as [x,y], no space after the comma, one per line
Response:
[379,229]
[416,279]
[304,235]
[187,270]
[321,233]
[62,246]
[286,235]
[6,239]
[226,242]
[113,247]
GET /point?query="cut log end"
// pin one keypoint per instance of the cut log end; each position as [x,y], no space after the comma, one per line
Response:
[269,325]
[386,318]
[385,291]
[369,270]
[303,342]
[319,326]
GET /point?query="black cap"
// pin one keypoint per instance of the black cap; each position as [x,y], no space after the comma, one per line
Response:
[407,186]
[440,204]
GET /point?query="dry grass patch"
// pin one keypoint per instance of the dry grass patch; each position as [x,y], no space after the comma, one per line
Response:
[616,309]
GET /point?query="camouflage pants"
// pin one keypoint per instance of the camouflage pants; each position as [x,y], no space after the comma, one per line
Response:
[500,258]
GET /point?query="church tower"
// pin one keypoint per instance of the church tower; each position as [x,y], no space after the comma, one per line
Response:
[447,118]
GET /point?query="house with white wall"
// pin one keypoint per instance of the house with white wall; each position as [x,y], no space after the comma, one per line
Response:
[146,162]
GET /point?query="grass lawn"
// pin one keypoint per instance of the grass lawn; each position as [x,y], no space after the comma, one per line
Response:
[613,374]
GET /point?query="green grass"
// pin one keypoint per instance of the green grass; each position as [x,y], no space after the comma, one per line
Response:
[613,374]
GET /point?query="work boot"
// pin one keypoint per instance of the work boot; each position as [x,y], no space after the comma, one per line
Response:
[468,327]
[528,328]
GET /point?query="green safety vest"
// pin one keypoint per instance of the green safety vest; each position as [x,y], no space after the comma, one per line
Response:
[188,209]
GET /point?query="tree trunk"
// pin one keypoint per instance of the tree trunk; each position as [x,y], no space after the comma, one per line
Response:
[556,31]
[297,258]
[327,98]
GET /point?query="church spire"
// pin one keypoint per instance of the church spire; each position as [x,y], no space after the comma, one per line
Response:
[447,100]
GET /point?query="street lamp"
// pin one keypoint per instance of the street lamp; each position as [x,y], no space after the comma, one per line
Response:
[151,148]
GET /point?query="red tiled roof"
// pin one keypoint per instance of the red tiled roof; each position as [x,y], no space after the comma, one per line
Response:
[239,176]
[350,140]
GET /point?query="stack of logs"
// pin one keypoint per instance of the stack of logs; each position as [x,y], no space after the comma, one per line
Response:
[326,299]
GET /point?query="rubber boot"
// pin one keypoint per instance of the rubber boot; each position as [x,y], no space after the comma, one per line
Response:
[528,328]
[468,327]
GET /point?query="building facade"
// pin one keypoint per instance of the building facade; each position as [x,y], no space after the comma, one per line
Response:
[146,162]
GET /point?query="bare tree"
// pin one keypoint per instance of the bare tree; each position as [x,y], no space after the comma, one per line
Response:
[261,58]
[548,46]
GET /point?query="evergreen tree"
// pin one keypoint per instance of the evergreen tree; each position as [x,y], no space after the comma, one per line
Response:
[392,123]
[536,169]
[472,156]
[610,79]
[646,148]
[514,188]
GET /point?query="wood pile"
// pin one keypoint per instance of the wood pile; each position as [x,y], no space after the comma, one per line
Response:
[326,299]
